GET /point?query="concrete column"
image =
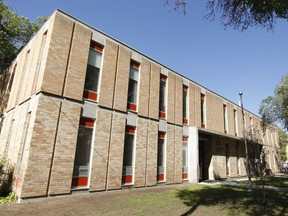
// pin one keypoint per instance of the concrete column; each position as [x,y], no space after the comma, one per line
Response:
[193,155]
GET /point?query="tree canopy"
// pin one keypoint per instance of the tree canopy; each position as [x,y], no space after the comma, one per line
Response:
[274,109]
[241,14]
[15,32]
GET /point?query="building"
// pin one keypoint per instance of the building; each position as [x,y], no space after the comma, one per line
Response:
[81,110]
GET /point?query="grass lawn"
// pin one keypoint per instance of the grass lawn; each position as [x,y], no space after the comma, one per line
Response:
[271,181]
[197,199]
[228,200]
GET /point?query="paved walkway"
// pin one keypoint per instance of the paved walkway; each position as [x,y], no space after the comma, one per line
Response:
[234,182]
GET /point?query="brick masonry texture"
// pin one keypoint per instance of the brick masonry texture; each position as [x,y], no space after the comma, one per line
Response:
[151,170]
[100,151]
[154,92]
[76,70]
[170,155]
[144,102]
[141,153]
[179,101]
[41,148]
[116,151]
[108,74]
[170,85]
[178,154]
[65,147]
[122,79]
[58,54]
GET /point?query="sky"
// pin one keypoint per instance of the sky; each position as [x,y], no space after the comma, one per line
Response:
[225,61]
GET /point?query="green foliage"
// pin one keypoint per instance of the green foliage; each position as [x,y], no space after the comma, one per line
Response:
[15,32]
[283,140]
[240,14]
[6,178]
[274,109]
[10,198]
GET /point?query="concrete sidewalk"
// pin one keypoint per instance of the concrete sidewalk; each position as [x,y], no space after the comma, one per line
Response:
[234,182]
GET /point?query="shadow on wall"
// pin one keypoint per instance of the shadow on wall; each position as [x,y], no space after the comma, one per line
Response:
[6,80]
[216,176]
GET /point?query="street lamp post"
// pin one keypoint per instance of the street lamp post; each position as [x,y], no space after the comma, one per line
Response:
[245,141]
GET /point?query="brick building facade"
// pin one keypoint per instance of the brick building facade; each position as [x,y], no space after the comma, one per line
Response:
[81,110]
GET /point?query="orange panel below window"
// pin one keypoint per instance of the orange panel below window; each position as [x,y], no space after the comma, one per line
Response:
[127,179]
[87,122]
[131,106]
[160,177]
[202,125]
[185,121]
[79,181]
[90,95]
[185,175]
[162,114]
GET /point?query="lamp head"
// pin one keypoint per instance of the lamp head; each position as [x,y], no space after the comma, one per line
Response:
[240,93]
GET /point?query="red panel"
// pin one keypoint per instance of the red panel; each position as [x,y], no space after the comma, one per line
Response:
[131,106]
[202,96]
[96,46]
[225,131]
[162,135]
[87,122]
[90,95]
[164,78]
[236,134]
[203,125]
[162,114]
[184,175]
[127,179]
[130,129]
[135,64]
[185,88]
[185,138]
[160,177]
[79,181]
[185,121]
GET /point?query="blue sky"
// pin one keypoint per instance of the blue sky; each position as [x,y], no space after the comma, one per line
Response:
[224,61]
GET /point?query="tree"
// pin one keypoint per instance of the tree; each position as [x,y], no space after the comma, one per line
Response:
[15,32]
[241,14]
[274,109]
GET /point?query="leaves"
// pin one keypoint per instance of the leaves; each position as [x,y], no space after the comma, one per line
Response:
[15,32]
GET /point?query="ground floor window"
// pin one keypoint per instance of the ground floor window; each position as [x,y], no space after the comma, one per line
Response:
[161,157]
[128,156]
[83,151]
[227,160]
[185,158]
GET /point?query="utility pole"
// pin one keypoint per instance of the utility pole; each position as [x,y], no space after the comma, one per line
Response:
[245,141]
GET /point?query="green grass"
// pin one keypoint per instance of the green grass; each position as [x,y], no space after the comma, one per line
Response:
[271,181]
[10,198]
[230,200]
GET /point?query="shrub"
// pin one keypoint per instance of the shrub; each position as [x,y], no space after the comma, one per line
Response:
[6,178]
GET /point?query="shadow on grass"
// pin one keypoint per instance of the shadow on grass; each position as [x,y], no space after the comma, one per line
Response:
[235,200]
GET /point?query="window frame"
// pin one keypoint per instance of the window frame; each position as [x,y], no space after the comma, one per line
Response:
[163,97]
[185,104]
[161,170]
[185,168]
[89,94]
[134,68]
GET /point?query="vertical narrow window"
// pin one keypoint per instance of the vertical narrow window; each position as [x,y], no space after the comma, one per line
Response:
[227,159]
[202,110]
[237,159]
[251,121]
[133,86]
[162,97]
[127,173]
[225,118]
[185,104]
[83,151]
[185,158]
[235,122]
[93,71]
[161,157]
[1,123]
[40,58]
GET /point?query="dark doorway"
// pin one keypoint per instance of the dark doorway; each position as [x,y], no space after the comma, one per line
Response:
[205,155]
